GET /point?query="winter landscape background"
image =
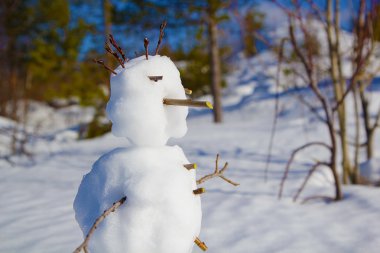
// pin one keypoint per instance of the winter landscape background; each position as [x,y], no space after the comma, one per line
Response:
[39,181]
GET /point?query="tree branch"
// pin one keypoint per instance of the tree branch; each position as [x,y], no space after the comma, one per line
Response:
[311,171]
[292,158]
[276,108]
[377,121]
[217,173]
[113,53]
[146,43]
[84,245]
[162,27]
[118,48]
[101,62]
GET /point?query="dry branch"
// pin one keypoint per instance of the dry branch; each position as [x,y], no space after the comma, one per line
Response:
[113,53]
[187,102]
[188,91]
[292,158]
[101,62]
[162,27]
[146,43]
[311,171]
[190,166]
[199,191]
[217,173]
[326,198]
[84,245]
[276,108]
[117,47]
[200,244]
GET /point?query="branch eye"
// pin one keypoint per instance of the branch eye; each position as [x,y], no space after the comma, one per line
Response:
[155,78]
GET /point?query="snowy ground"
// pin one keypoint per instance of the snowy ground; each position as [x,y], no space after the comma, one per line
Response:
[36,200]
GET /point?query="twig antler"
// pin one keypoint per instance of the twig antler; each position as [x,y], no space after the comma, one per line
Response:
[110,51]
[146,43]
[162,27]
[117,47]
[217,173]
[101,62]
[84,245]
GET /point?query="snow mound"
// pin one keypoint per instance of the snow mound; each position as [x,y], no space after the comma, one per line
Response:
[161,214]
[371,170]
[136,106]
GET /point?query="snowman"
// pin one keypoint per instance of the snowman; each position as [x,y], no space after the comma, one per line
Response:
[162,209]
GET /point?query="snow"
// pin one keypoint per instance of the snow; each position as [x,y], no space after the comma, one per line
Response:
[136,106]
[161,210]
[36,199]
[248,218]
[371,170]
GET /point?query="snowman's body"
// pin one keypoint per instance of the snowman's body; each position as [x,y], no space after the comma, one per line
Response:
[161,214]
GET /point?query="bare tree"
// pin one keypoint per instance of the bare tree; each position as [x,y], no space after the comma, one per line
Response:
[307,59]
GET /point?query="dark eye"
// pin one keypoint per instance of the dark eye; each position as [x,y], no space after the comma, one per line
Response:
[155,78]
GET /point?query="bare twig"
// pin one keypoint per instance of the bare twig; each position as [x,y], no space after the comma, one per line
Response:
[113,53]
[217,173]
[199,191]
[311,171]
[187,102]
[274,125]
[292,158]
[162,27]
[118,48]
[377,120]
[101,62]
[84,245]
[188,91]
[326,198]
[190,166]
[146,43]
[313,109]
[200,244]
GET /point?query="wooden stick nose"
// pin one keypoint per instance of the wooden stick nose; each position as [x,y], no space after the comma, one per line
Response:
[187,102]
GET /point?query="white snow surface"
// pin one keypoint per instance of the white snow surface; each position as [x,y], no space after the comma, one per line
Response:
[36,199]
[371,170]
[161,213]
[136,106]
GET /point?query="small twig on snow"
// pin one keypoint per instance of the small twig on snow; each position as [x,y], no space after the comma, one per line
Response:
[84,245]
[217,173]
[326,198]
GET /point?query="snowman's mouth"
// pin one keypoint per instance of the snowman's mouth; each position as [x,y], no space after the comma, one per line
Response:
[155,78]
[187,102]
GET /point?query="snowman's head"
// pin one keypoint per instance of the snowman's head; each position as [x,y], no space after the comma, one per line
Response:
[136,106]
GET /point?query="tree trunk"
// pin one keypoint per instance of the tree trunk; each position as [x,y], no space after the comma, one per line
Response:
[367,123]
[107,15]
[355,176]
[338,83]
[215,68]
